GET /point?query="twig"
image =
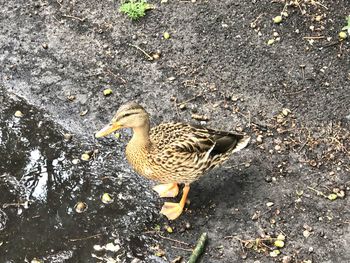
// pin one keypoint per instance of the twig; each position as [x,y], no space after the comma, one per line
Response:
[116,76]
[84,238]
[181,248]
[144,52]
[74,17]
[19,204]
[317,191]
[318,3]
[191,99]
[248,119]
[174,240]
[273,95]
[304,144]
[331,44]
[176,108]
[301,10]
[314,37]
[198,250]
[256,20]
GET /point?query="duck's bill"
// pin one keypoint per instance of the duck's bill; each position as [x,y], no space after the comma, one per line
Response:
[108,129]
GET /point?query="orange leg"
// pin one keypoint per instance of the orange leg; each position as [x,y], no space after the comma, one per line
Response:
[167,190]
[174,210]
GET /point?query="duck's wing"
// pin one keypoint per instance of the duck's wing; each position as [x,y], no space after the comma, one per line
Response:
[184,147]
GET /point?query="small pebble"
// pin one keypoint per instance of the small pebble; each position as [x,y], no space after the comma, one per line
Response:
[279,243]
[85,157]
[307,227]
[45,45]
[275,253]
[112,247]
[182,106]
[107,92]
[67,136]
[75,161]
[71,97]
[269,204]
[306,233]
[287,259]
[156,56]
[80,207]
[332,197]
[268,179]
[166,35]
[285,14]
[106,198]
[277,147]
[270,42]
[18,114]
[281,237]
[169,229]
[259,138]
[117,135]
[341,194]
[83,112]
[199,117]
[286,112]
[342,35]
[277,19]
[234,98]
[98,247]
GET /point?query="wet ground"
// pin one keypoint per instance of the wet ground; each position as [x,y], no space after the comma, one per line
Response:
[40,186]
[292,97]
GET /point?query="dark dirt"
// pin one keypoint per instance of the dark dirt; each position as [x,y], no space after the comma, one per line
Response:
[60,55]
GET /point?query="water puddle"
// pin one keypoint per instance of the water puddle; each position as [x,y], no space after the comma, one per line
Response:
[40,186]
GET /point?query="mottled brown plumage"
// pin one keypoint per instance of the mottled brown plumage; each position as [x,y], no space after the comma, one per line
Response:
[172,153]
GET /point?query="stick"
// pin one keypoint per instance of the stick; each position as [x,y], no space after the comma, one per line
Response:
[315,37]
[84,238]
[183,249]
[174,240]
[191,99]
[198,250]
[74,17]
[116,76]
[317,191]
[144,52]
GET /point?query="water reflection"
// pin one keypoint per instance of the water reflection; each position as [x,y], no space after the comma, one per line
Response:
[39,187]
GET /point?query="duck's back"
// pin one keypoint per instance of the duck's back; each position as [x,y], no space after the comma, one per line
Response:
[182,152]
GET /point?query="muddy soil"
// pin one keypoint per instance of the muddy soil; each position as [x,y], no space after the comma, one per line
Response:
[292,97]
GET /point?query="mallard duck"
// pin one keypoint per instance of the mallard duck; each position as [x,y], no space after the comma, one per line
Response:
[172,153]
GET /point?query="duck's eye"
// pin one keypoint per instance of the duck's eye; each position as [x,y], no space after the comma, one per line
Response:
[127,114]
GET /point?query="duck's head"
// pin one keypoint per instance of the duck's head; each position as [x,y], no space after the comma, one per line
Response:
[129,115]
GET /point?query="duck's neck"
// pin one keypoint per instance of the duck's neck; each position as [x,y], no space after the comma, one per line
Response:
[141,137]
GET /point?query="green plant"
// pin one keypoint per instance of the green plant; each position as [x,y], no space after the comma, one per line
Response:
[135,9]
[347,27]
